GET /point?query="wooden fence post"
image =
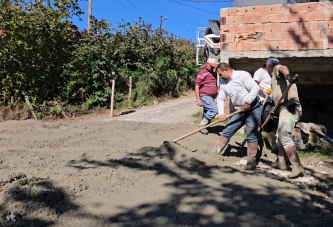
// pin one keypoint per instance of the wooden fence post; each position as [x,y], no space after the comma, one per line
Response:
[112,96]
[130,89]
[26,97]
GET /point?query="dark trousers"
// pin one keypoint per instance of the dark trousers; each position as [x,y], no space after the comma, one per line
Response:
[266,112]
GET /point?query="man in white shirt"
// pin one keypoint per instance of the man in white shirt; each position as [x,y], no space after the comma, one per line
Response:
[243,92]
[263,79]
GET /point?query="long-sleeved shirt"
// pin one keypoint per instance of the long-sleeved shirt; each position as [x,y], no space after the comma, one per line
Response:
[241,88]
[264,80]
[207,83]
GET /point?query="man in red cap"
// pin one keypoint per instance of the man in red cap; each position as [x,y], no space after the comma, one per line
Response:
[206,92]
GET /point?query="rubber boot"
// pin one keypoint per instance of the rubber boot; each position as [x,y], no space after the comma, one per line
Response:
[297,168]
[221,144]
[252,149]
[204,121]
[271,138]
[282,159]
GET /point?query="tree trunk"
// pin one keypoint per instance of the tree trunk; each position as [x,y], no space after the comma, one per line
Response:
[26,97]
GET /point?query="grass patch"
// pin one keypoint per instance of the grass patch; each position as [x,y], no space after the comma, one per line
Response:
[198,116]
[321,151]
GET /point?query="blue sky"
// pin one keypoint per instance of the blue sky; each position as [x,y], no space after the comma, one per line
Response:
[182,16]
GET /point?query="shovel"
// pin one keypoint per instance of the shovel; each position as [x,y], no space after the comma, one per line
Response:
[277,105]
[204,127]
[260,139]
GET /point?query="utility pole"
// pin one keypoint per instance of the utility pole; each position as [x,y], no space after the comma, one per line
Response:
[161,21]
[89,14]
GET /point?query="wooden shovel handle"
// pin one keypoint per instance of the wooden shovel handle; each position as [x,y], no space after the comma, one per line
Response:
[206,126]
[276,105]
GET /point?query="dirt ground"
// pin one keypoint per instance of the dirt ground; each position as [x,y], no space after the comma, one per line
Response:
[116,172]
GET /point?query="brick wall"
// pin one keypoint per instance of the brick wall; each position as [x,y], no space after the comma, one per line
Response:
[305,26]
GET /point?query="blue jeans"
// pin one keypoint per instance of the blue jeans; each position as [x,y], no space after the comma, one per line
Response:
[251,119]
[209,107]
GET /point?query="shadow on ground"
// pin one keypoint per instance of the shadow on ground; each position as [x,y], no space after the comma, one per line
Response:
[213,195]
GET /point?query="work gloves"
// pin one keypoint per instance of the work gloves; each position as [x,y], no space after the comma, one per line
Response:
[268,91]
[291,79]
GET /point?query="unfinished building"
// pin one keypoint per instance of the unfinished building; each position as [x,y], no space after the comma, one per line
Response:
[300,35]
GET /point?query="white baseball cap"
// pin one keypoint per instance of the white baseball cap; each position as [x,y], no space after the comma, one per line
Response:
[212,62]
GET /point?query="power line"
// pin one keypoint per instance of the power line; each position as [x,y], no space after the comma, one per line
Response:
[195,7]
[127,8]
[206,0]
[174,25]
[137,8]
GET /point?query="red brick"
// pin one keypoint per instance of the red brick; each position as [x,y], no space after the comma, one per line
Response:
[314,7]
[230,38]
[274,45]
[233,28]
[285,27]
[304,26]
[247,19]
[292,45]
[224,46]
[264,45]
[262,10]
[224,12]
[324,34]
[328,15]
[240,46]
[286,36]
[278,36]
[315,45]
[274,17]
[232,11]
[293,17]
[249,28]
[300,8]
[294,26]
[285,9]
[309,16]
[256,18]
[247,46]
[283,18]
[264,19]
[326,5]
[267,27]
[224,28]
[276,27]
[275,9]
[313,25]
[241,11]
[330,25]
[230,20]
[223,37]
[315,35]
[258,27]
[323,25]
[256,46]
[283,45]
[238,19]
[304,37]
[241,28]
[249,10]
[269,36]
[319,16]
[232,47]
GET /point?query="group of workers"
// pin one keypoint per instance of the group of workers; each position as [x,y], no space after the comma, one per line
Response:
[248,96]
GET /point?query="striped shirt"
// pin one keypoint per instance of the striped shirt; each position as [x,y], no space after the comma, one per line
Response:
[241,88]
[207,83]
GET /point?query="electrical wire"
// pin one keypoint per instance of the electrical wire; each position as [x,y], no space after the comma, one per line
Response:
[194,7]
[137,8]
[207,1]
[174,25]
[127,8]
